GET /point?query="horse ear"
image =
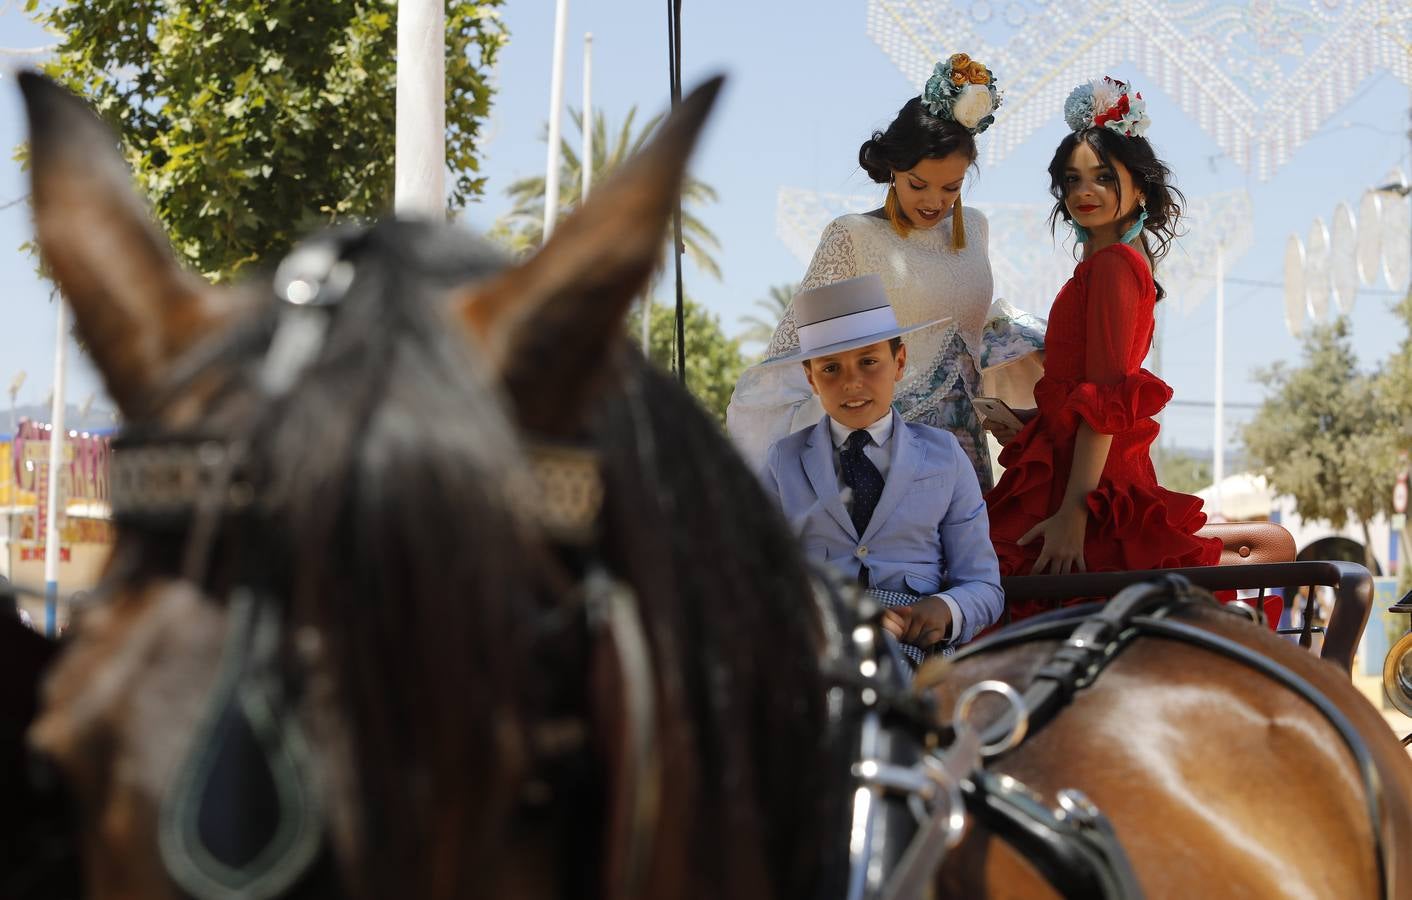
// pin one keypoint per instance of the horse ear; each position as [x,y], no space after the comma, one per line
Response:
[550,325]
[134,308]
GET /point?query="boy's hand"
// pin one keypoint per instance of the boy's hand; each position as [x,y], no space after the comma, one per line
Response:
[922,624]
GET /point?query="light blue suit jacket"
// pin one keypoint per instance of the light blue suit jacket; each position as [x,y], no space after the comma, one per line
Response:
[929,532]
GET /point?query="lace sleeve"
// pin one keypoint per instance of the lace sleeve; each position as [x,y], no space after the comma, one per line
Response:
[834,260]
[771,401]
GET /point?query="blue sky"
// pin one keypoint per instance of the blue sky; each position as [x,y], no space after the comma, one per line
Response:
[806,86]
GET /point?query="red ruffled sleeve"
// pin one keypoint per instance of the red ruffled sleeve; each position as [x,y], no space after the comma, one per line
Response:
[1115,408]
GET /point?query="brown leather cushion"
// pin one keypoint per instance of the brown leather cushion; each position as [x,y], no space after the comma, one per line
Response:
[1251,542]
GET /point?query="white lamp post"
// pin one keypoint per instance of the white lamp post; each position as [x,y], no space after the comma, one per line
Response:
[419,172]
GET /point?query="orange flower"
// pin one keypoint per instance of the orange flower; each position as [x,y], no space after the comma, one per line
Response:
[959,77]
[977,73]
[960,60]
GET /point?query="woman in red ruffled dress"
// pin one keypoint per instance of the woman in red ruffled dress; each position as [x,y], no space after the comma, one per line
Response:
[1079,492]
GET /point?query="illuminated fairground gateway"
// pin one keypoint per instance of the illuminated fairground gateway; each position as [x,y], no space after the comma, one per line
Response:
[85,529]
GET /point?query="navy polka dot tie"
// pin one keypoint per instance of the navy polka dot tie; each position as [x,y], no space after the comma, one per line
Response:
[862,477]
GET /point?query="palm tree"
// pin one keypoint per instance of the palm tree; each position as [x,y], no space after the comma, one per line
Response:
[523,226]
[759,329]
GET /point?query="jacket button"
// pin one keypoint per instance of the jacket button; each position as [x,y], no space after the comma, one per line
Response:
[861,553]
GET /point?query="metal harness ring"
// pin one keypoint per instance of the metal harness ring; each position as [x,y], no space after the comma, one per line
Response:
[1017,704]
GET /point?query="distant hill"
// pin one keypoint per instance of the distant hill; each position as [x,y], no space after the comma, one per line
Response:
[98,418]
[1188,469]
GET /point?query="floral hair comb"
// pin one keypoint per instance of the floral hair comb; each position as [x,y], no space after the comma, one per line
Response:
[963,90]
[1107,103]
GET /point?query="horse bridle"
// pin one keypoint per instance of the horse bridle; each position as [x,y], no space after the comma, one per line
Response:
[192,484]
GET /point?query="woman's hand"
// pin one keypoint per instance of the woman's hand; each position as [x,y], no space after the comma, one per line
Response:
[922,624]
[1063,536]
[1005,433]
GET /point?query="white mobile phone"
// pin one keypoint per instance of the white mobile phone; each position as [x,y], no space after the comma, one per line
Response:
[996,410]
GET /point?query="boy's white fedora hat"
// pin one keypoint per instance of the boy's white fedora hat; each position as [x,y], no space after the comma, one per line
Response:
[843,316]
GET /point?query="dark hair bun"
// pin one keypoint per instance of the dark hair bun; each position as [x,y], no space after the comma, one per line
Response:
[913,136]
[871,159]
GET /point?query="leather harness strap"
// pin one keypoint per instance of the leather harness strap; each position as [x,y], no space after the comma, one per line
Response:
[1074,847]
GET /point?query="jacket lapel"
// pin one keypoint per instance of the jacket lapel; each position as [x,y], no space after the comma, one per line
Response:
[818,466]
[905,455]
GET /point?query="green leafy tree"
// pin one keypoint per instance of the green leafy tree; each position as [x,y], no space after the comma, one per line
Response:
[759,328]
[1321,435]
[522,228]
[251,122]
[713,360]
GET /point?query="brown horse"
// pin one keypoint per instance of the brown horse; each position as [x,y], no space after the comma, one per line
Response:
[1218,781]
[466,722]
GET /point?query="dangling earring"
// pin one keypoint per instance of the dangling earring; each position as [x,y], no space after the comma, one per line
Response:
[1136,228]
[958,227]
[893,208]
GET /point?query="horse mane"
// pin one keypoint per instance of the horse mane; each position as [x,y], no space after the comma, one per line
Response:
[392,467]
[735,632]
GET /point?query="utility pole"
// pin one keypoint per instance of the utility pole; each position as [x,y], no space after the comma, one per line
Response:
[1218,452]
[587,118]
[56,461]
[556,104]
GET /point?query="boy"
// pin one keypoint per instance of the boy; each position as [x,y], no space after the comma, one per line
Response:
[894,504]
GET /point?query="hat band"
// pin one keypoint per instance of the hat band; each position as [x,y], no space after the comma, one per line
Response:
[848,327]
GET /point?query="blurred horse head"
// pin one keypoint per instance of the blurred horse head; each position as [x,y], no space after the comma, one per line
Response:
[425,584]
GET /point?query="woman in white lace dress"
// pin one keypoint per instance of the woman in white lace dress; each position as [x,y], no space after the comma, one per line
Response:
[933,261]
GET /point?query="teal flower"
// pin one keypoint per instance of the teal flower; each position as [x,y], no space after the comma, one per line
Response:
[1078,109]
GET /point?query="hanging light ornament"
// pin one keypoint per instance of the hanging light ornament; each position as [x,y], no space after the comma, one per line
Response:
[1255,77]
[1316,270]
[1343,258]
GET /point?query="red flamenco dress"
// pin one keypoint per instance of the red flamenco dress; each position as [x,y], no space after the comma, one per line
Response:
[1100,328]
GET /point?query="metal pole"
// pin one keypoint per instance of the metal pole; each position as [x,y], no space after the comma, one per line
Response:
[587,116]
[556,103]
[1404,537]
[674,62]
[420,169]
[647,325]
[56,459]
[1218,452]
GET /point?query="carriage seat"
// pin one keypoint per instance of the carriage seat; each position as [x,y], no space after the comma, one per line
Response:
[1251,542]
